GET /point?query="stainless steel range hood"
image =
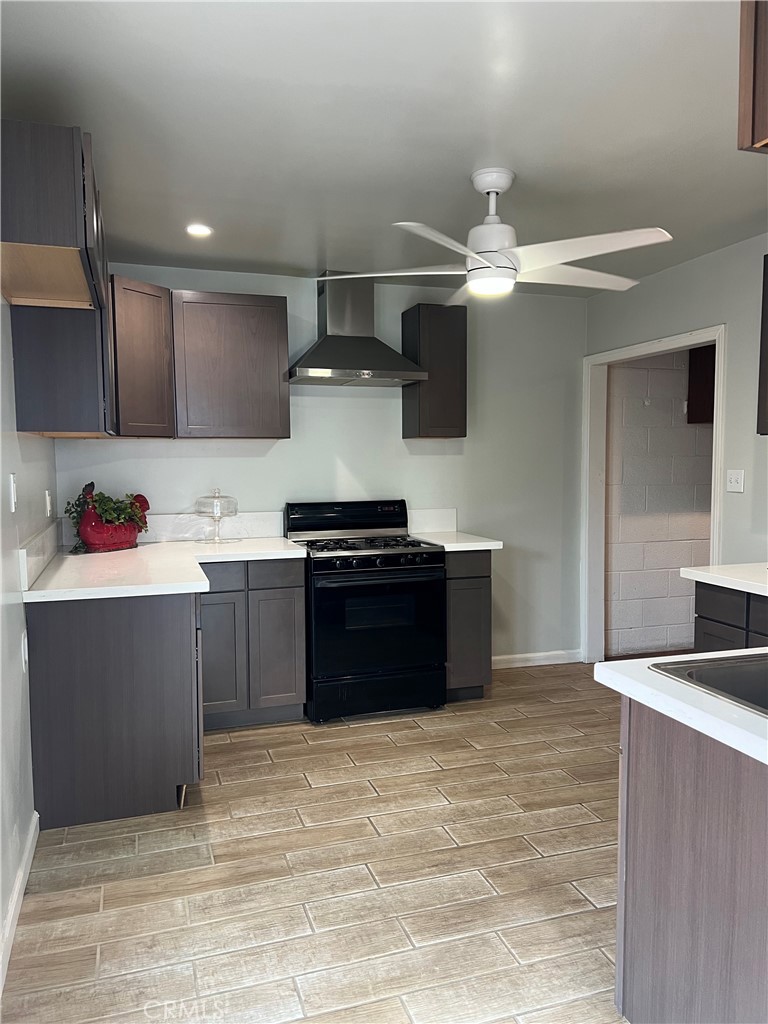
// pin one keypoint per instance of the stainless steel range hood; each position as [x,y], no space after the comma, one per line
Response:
[348,352]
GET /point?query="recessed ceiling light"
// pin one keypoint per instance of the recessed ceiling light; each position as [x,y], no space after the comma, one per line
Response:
[199,230]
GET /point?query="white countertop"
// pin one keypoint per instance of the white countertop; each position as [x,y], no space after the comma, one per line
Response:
[460,541]
[751,577]
[165,568]
[732,724]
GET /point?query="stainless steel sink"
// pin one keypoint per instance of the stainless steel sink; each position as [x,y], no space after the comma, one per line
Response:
[742,679]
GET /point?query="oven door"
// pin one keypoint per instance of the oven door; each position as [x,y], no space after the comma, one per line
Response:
[365,623]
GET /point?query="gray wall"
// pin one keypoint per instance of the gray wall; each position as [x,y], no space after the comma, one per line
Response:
[32,460]
[721,287]
[515,477]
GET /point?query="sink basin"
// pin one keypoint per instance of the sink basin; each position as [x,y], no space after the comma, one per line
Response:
[742,679]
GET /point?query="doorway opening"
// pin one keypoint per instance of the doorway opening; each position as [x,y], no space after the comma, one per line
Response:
[646,505]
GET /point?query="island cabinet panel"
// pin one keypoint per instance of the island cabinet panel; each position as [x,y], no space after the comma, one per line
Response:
[469,611]
[693,932]
[114,706]
[231,358]
[435,337]
[144,358]
[224,625]
[62,370]
[276,641]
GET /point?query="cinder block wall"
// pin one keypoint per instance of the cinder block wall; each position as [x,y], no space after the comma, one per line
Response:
[658,494]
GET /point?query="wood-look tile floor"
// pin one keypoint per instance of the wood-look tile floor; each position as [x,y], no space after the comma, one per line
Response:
[448,867]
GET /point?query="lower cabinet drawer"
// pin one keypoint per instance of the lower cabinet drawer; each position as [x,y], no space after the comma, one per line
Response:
[722,604]
[758,615]
[467,564]
[275,572]
[224,576]
[714,636]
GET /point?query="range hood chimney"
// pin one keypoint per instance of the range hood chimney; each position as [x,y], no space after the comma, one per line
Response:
[348,352]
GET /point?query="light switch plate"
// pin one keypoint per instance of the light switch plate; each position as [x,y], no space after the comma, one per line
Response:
[12,492]
[48,505]
[734,480]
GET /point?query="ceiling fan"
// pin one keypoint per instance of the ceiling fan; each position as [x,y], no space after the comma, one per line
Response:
[494,261]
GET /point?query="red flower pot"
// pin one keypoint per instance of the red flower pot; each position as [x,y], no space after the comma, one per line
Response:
[100,536]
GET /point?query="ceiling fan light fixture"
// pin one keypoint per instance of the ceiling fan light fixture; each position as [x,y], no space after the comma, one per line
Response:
[199,230]
[488,282]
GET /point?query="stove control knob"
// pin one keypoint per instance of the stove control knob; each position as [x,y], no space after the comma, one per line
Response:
[357,563]
[417,559]
[339,563]
[381,561]
[403,560]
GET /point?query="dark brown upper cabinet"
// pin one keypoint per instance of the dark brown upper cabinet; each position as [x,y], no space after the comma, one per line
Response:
[701,384]
[753,77]
[231,358]
[144,358]
[62,370]
[435,337]
[762,377]
[53,250]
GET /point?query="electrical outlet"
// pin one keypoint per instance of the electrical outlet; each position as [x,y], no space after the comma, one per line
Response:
[734,480]
[12,496]
[48,505]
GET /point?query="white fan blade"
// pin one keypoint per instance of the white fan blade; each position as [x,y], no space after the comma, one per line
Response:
[436,236]
[550,254]
[576,277]
[450,268]
[459,296]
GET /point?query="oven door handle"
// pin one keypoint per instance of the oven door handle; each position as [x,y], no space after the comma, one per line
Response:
[365,579]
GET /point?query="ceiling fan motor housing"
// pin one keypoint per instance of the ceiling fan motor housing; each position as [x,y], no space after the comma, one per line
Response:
[487,240]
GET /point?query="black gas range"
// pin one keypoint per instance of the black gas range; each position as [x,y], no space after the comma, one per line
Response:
[376,621]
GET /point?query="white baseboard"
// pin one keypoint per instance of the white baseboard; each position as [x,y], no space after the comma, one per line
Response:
[17,893]
[538,658]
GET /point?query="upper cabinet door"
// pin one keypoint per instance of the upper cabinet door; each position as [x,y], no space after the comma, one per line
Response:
[144,358]
[231,356]
[435,337]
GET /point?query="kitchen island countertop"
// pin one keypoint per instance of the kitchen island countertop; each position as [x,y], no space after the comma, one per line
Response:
[171,567]
[751,577]
[732,724]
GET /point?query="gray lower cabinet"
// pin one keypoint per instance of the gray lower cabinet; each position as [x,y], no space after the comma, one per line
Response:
[114,706]
[277,647]
[469,610]
[253,643]
[224,624]
[692,937]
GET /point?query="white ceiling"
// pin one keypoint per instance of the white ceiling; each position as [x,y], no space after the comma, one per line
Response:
[300,131]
